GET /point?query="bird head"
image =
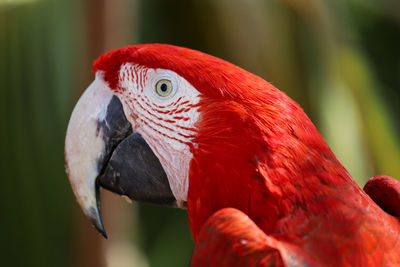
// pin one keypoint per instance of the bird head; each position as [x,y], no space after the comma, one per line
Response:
[174,126]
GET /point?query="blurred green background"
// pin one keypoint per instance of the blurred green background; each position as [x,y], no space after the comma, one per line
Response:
[339,59]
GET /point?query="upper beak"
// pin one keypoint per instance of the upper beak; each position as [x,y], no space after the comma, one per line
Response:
[102,149]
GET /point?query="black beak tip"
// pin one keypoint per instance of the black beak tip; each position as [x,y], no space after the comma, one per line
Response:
[97,221]
[100,227]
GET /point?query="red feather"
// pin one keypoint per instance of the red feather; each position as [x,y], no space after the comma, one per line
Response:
[230,238]
[259,153]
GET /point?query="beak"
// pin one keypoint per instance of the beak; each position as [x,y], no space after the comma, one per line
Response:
[103,150]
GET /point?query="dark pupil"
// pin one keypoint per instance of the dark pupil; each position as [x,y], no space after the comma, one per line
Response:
[164,87]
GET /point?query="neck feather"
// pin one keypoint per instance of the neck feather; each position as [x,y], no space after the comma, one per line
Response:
[261,159]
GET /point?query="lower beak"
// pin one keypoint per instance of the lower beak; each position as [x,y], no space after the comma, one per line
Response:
[102,149]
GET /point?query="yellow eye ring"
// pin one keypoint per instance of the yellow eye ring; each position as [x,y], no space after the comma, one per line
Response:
[164,87]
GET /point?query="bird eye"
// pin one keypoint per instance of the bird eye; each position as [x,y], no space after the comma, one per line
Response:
[164,87]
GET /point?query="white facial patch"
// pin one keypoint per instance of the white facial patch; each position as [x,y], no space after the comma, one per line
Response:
[165,122]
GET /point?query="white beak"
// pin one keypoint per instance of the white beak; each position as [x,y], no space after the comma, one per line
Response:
[84,145]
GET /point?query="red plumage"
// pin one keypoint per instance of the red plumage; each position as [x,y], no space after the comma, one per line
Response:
[258,152]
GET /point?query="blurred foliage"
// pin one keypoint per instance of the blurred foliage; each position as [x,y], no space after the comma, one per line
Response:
[339,59]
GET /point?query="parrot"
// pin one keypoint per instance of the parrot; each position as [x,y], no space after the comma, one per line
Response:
[173,126]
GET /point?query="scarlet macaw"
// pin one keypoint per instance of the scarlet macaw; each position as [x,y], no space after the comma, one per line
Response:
[174,126]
